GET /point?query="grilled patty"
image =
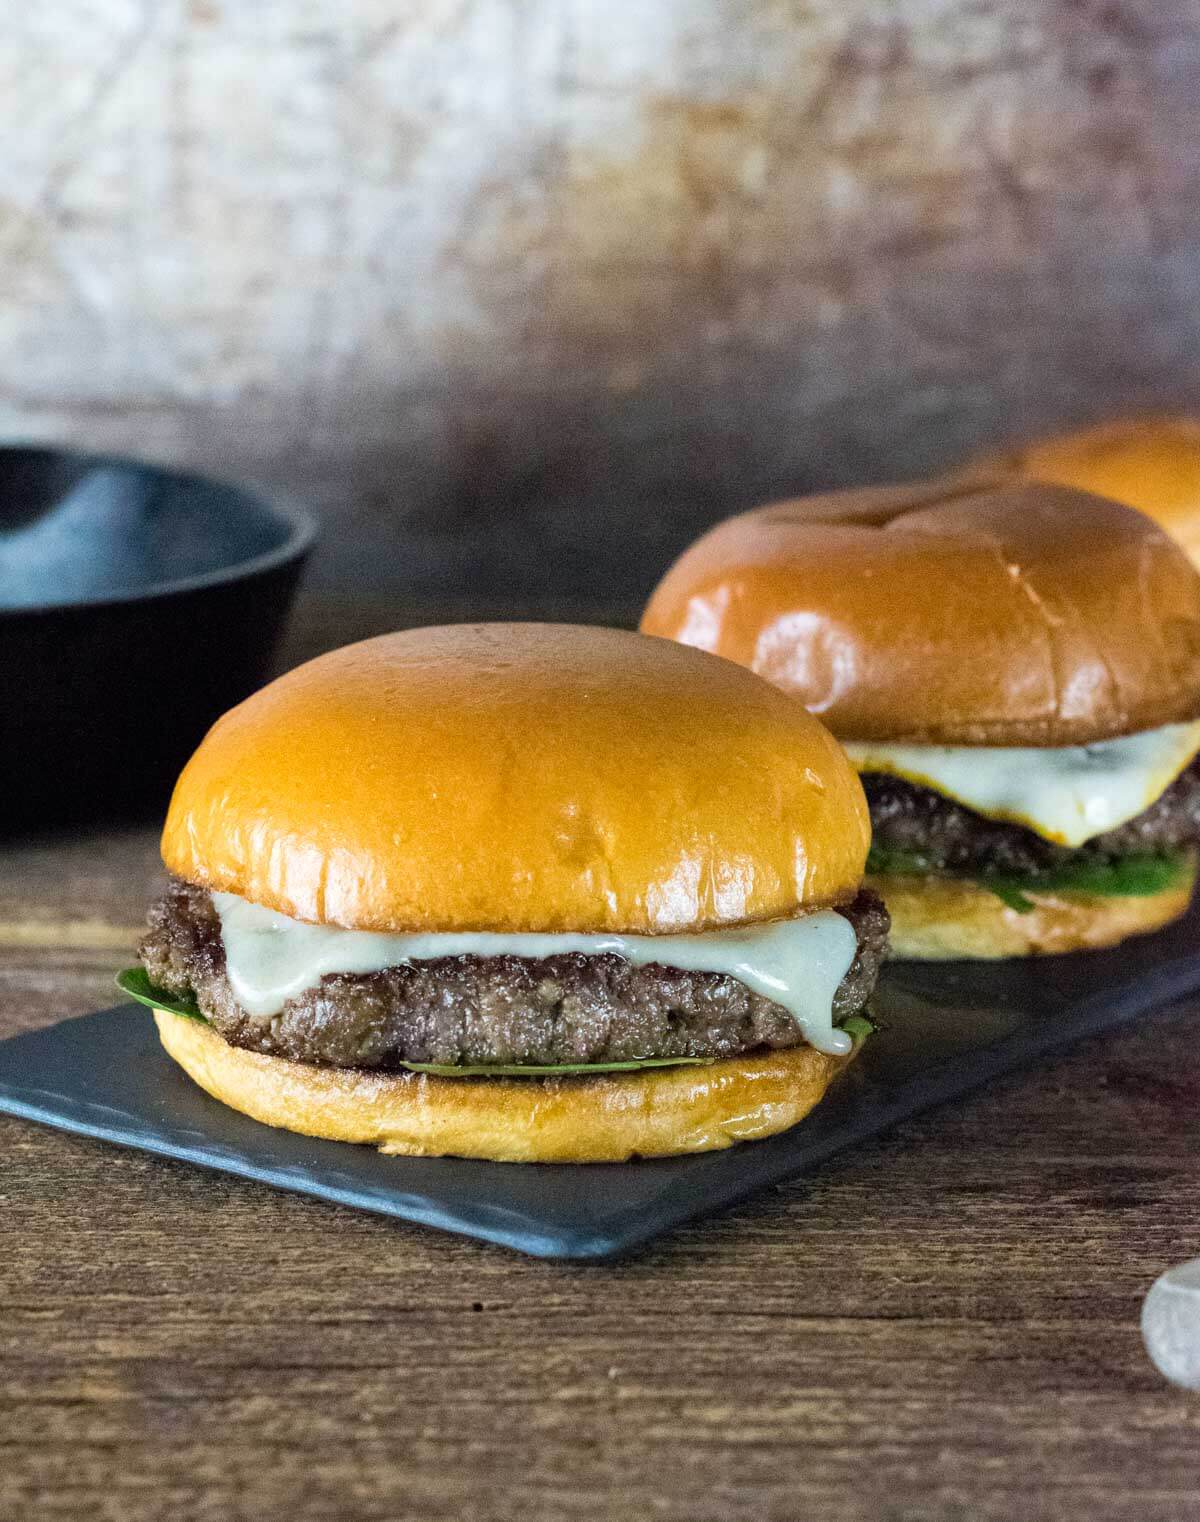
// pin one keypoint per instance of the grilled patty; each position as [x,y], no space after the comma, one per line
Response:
[946,837]
[562,1009]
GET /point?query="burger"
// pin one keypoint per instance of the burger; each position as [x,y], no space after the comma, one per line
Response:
[519,892]
[1150,463]
[1014,671]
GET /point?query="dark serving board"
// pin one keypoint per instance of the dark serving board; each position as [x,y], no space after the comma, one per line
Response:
[950,1028]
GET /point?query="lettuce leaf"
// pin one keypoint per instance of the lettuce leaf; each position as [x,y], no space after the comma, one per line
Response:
[514,1070]
[884,861]
[135,982]
[1120,877]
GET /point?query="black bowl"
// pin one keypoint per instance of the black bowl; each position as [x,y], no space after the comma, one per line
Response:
[136,605]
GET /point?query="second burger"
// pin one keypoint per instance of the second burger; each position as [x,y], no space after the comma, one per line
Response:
[1015,671]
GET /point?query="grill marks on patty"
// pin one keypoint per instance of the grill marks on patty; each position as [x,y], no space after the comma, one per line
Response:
[563,1009]
[950,838]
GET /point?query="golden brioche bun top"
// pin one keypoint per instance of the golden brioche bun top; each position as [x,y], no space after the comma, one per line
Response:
[945,613]
[1151,463]
[517,777]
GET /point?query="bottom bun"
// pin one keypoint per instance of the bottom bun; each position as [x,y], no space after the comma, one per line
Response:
[658,1112]
[940,918]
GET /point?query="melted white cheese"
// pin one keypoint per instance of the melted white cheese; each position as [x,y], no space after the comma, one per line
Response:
[798,963]
[1066,794]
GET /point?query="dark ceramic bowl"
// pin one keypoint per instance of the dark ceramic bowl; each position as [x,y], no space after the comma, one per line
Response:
[136,605]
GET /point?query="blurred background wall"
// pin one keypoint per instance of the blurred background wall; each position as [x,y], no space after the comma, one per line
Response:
[523,293]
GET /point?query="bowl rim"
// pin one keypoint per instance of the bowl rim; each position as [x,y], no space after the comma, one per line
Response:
[300,522]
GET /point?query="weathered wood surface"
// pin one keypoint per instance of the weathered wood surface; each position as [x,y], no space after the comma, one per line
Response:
[942,1327]
[523,294]
[474,272]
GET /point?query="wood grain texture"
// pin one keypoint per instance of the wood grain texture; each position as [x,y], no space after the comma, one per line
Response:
[940,1328]
[473,274]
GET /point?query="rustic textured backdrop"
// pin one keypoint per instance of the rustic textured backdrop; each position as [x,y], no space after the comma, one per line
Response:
[533,289]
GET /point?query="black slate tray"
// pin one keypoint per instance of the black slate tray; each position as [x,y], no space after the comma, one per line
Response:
[950,1028]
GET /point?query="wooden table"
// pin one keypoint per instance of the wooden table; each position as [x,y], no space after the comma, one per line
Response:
[942,1326]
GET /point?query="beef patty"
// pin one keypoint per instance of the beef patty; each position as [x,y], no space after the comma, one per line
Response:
[562,1009]
[943,836]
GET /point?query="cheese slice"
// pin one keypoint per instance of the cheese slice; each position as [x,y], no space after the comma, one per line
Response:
[797,963]
[1068,794]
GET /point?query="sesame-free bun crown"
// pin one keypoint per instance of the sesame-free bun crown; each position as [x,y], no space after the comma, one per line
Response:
[947,613]
[516,777]
[1151,463]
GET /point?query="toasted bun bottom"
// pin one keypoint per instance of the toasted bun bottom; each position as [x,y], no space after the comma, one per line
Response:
[607,1119]
[940,918]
